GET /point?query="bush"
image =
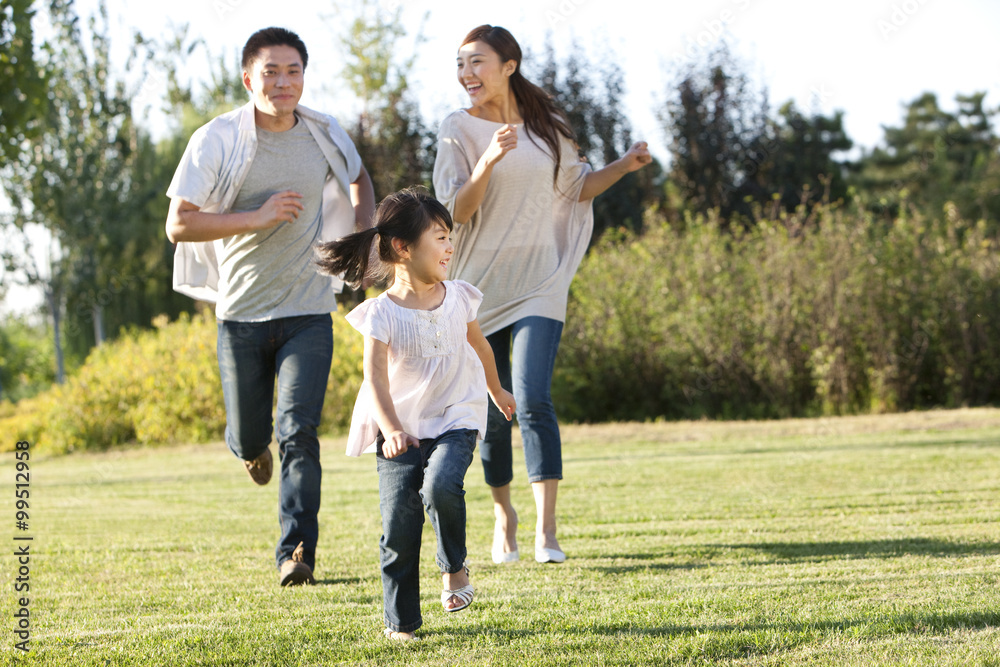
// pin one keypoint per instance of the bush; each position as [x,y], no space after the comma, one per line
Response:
[817,312]
[158,386]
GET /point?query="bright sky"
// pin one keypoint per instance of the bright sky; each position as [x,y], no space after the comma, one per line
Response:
[866,57]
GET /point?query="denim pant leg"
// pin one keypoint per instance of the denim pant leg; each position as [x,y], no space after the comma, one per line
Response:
[534,344]
[443,492]
[495,451]
[399,481]
[303,368]
[525,355]
[246,367]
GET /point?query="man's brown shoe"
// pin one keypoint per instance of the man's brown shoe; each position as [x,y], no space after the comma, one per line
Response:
[260,468]
[294,572]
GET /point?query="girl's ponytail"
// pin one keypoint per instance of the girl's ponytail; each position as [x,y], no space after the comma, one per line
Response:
[403,215]
[349,256]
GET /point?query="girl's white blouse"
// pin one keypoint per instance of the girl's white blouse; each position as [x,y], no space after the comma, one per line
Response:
[436,379]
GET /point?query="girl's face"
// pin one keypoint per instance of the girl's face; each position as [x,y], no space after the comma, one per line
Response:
[428,259]
[482,75]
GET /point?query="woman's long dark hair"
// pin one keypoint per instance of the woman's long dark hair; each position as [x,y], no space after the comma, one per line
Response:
[403,215]
[541,116]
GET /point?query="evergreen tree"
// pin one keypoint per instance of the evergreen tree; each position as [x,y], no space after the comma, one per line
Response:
[937,157]
[802,159]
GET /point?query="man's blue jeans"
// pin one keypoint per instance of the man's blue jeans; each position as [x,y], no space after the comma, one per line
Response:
[298,350]
[430,477]
[525,354]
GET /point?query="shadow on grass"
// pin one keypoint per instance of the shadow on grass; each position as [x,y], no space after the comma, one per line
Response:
[342,581]
[642,567]
[736,634]
[916,546]
[813,445]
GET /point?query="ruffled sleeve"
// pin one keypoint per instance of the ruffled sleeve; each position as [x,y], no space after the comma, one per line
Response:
[469,297]
[370,318]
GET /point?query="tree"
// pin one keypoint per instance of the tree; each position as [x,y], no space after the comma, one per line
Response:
[395,146]
[719,132]
[937,157]
[22,82]
[801,164]
[77,192]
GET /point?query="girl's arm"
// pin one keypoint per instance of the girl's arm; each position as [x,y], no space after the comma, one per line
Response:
[598,181]
[470,195]
[376,367]
[502,398]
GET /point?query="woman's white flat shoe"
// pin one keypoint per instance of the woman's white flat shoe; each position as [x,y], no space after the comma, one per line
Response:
[543,555]
[506,556]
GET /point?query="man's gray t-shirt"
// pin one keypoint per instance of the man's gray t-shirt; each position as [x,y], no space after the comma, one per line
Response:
[271,273]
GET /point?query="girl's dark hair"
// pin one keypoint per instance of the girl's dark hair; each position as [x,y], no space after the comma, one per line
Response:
[541,116]
[272,37]
[403,215]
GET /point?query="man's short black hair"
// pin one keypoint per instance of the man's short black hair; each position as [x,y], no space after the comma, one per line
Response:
[272,37]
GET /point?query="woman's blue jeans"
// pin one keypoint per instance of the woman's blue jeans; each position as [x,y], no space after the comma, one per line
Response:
[430,477]
[525,355]
[298,351]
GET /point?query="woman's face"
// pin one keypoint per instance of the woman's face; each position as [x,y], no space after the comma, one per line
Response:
[481,73]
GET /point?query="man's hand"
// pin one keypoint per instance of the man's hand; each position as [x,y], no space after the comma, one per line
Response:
[280,207]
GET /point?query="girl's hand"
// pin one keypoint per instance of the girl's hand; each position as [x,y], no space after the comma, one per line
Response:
[397,443]
[504,400]
[636,158]
[504,140]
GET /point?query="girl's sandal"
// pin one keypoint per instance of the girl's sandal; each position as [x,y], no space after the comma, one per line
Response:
[464,594]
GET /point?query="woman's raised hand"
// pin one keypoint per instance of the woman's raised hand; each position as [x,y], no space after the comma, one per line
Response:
[637,157]
[504,140]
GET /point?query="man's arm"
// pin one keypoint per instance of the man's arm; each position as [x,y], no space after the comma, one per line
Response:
[187,222]
[363,198]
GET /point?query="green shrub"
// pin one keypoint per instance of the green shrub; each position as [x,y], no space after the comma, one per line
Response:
[158,386]
[817,312]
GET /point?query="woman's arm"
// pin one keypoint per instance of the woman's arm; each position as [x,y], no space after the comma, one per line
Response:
[598,181]
[470,195]
[376,368]
[502,398]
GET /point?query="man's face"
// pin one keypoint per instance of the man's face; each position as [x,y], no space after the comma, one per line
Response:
[275,80]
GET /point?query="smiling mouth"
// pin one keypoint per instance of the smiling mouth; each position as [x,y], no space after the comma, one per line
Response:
[473,88]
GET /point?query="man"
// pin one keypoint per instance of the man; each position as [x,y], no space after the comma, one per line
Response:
[256,189]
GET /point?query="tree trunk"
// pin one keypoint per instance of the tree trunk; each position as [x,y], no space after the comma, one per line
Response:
[53,300]
[98,314]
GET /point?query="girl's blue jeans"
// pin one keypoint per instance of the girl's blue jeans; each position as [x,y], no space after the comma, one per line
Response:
[297,351]
[430,477]
[525,355]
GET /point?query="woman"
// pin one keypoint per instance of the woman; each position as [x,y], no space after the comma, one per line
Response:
[508,170]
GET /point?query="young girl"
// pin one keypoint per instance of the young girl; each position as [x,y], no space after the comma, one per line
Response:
[422,406]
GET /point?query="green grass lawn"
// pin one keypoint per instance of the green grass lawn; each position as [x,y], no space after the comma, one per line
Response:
[852,541]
